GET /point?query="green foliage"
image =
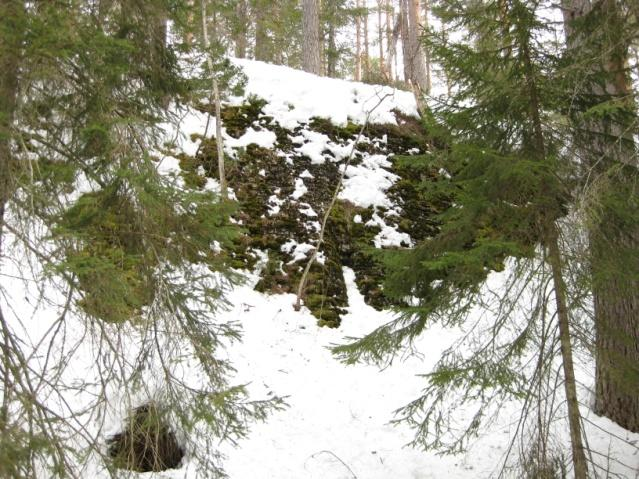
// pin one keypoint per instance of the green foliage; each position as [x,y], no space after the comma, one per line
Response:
[121,234]
[17,446]
[278,35]
[497,176]
[335,16]
[142,257]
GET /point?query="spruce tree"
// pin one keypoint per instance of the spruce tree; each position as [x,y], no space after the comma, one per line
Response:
[504,192]
[138,254]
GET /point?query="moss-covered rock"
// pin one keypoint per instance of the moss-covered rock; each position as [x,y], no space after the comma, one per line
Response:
[264,181]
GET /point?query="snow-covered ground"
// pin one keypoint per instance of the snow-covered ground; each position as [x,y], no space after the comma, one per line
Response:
[336,425]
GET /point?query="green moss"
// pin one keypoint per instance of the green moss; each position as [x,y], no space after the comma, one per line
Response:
[260,173]
[236,119]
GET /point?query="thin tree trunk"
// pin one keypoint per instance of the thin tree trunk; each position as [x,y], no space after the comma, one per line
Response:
[406,51]
[311,43]
[331,53]
[391,41]
[416,52]
[429,82]
[358,44]
[380,38]
[449,84]
[219,141]
[367,57]
[241,40]
[574,418]
[158,49]
[614,242]
[551,241]
[261,51]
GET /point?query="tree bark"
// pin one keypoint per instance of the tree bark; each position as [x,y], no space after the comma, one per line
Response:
[574,418]
[380,38]
[158,50]
[331,54]
[358,44]
[614,242]
[261,51]
[391,40]
[415,50]
[429,82]
[311,33]
[218,113]
[367,57]
[241,40]
[406,50]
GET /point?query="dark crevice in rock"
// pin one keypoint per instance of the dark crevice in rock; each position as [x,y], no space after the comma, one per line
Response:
[147,444]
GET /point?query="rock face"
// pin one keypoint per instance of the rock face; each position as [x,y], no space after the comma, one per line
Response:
[284,182]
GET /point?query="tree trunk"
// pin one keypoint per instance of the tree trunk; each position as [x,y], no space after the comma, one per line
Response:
[391,41]
[406,50]
[380,38]
[416,52]
[331,52]
[429,82]
[218,108]
[262,50]
[614,241]
[241,40]
[358,44]
[158,51]
[449,84]
[367,57]
[574,418]
[551,243]
[311,42]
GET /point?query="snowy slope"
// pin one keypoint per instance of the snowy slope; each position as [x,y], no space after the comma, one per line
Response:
[336,425]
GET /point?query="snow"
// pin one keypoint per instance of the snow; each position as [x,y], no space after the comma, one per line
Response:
[314,145]
[275,204]
[366,184]
[295,97]
[300,189]
[263,138]
[336,425]
[299,251]
[388,236]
